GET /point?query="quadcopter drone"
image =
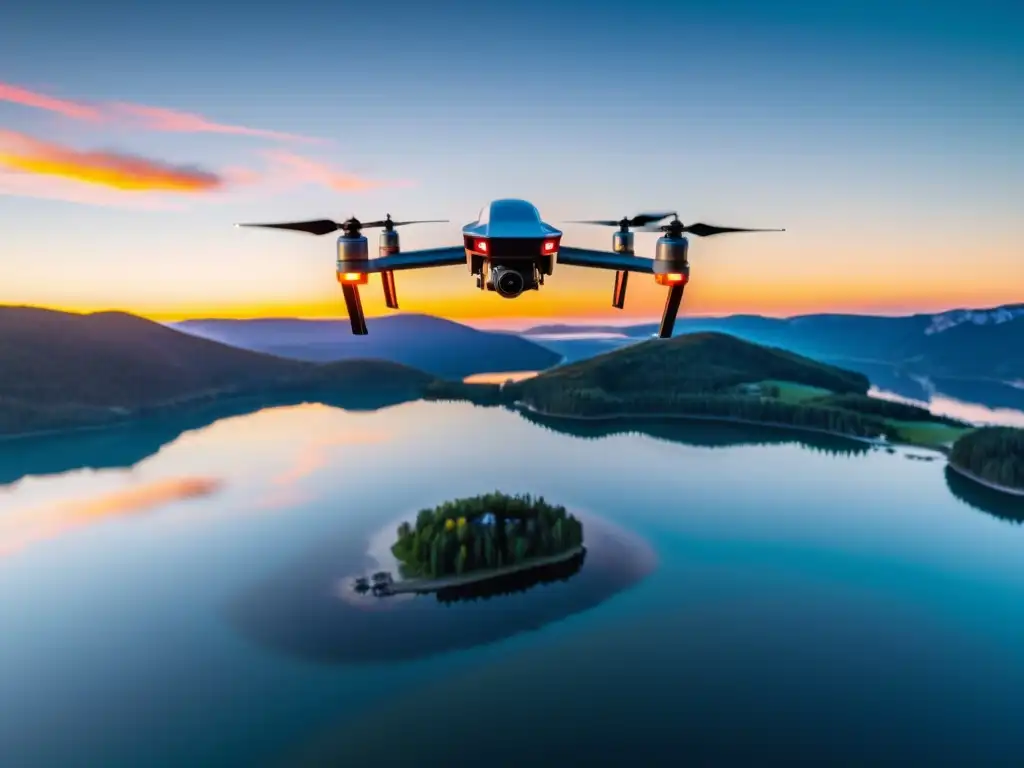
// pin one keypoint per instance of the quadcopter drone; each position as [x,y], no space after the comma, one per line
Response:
[509,249]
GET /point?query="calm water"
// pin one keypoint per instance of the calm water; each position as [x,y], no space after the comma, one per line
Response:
[795,602]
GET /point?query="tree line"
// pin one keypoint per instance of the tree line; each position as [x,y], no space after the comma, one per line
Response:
[995,454]
[595,402]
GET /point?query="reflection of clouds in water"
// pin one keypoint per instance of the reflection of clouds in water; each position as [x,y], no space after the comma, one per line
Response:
[310,459]
[33,525]
[975,413]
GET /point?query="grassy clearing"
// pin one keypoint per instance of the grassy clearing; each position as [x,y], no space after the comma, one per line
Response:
[795,393]
[926,434]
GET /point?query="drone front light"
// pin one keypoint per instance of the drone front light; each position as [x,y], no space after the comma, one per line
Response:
[352,278]
[480,245]
[672,278]
[550,246]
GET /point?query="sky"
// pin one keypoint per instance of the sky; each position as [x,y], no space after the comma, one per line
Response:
[886,137]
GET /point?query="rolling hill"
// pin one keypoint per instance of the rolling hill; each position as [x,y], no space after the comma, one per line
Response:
[437,346]
[697,363]
[961,343]
[64,370]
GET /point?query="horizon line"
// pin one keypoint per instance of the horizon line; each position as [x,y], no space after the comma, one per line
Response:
[507,323]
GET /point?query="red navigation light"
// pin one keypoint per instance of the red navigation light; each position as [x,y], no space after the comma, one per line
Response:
[672,278]
[480,245]
[352,278]
[550,245]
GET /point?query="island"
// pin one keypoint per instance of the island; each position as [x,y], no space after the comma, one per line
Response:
[467,540]
[991,456]
[715,376]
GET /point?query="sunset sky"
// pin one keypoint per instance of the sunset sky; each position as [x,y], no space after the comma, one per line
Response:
[886,137]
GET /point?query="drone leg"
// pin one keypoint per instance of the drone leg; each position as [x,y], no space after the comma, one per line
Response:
[619,294]
[668,317]
[390,296]
[355,309]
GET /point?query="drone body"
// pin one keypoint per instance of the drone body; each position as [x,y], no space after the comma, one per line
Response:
[509,250]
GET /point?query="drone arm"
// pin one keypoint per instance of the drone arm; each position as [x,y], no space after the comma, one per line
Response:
[620,262]
[431,257]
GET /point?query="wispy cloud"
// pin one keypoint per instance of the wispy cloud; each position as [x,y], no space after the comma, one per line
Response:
[292,169]
[173,121]
[144,116]
[32,526]
[73,109]
[23,154]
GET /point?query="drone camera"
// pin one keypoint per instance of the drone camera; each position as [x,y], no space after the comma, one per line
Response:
[509,283]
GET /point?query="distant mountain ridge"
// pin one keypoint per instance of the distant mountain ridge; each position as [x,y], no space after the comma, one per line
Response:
[967,343]
[432,344]
[63,370]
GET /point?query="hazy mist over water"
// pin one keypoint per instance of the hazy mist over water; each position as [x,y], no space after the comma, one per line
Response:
[808,598]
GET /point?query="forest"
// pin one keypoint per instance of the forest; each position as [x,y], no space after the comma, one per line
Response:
[489,531]
[995,454]
[765,410]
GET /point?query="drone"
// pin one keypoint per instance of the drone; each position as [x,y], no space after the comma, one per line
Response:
[509,250]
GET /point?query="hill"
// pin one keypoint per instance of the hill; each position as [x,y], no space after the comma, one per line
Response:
[62,369]
[700,363]
[432,344]
[969,343]
[714,376]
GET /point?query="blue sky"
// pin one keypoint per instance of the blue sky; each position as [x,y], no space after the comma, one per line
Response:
[888,138]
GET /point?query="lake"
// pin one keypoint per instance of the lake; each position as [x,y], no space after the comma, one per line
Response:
[751,597]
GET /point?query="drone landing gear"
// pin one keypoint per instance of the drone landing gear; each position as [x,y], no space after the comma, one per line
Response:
[668,316]
[619,293]
[390,296]
[355,308]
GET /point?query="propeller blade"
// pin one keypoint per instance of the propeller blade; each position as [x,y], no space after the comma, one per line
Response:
[316,227]
[599,222]
[641,219]
[372,224]
[706,230]
[637,221]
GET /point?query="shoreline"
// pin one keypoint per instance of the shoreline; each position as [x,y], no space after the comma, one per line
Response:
[1018,492]
[519,405]
[426,586]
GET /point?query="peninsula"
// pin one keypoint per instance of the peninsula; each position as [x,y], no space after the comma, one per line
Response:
[483,537]
[991,456]
[715,376]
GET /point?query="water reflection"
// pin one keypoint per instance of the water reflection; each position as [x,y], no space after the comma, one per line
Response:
[499,378]
[700,433]
[21,529]
[309,609]
[988,500]
[123,447]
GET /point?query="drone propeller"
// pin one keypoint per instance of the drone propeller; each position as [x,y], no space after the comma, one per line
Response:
[640,220]
[676,228]
[352,225]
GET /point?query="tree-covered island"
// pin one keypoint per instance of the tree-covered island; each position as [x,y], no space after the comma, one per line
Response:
[485,533]
[993,456]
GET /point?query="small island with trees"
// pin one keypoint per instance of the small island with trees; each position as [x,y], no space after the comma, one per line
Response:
[481,537]
[991,456]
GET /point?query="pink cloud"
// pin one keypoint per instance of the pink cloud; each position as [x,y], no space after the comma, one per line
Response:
[26,98]
[173,121]
[152,118]
[291,169]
